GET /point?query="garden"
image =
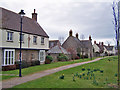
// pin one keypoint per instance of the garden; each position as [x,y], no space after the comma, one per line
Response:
[100,74]
[38,68]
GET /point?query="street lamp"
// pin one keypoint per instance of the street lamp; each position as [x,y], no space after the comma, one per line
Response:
[21,13]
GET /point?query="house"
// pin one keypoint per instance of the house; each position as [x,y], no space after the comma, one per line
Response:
[109,50]
[35,41]
[75,46]
[57,49]
[98,49]
[102,50]
[53,43]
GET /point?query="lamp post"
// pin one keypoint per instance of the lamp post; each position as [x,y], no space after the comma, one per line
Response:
[21,17]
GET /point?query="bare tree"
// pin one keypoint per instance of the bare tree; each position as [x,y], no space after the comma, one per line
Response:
[61,39]
[116,7]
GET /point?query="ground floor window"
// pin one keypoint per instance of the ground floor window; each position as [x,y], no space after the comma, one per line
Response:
[42,55]
[9,57]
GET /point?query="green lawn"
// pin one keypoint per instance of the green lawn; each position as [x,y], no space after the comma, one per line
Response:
[34,69]
[98,80]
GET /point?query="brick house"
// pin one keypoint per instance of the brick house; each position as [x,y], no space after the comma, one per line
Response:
[75,45]
[35,41]
[56,49]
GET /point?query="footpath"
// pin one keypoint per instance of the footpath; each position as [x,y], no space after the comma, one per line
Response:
[19,80]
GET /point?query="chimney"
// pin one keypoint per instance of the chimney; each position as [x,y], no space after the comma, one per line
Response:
[102,43]
[70,33]
[34,16]
[108,44]
[99,43]
[94,42]
[90,38]
[77,35]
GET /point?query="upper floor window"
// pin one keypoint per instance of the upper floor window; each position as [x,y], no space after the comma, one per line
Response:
[34,39]
[9,36]
[22,38]
[42,40]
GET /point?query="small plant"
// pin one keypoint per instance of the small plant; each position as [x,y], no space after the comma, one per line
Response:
[88,69]
[101,71]
[62,76]
[95,82]
[95,70]
[83,74]
[73,78]
[83,69]
[116,75]
[80,76]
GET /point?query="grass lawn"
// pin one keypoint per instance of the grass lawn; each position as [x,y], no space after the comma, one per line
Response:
[34,69]
[101,75]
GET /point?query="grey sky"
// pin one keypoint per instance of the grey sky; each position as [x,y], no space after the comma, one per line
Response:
[57,17]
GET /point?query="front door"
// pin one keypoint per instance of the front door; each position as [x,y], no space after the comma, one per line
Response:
[42,55]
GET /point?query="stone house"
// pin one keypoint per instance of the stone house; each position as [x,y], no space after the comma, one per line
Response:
[56,49]
[74,45]
[109,50]
[35,41]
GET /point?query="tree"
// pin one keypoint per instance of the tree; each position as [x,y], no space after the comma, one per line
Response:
[72,52]
[116,7]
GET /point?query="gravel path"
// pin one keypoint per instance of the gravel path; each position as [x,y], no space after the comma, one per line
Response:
[19,80]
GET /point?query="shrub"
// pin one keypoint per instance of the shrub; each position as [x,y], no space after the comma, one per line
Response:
[62,57]
[77,57]
[9,67]
[35,62]
[49,58]
[23,64]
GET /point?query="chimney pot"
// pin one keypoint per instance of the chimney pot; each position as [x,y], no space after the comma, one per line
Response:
[90,38]
[76,35]
[70,33]
[102,43]
[94,42]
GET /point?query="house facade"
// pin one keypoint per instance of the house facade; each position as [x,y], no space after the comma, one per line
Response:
[35,41]
[75,46]
[56,49]
[103,50]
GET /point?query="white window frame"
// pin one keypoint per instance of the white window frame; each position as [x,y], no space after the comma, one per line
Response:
[42,56]
[9,36]
[42,38]
[33,39]
[8,57]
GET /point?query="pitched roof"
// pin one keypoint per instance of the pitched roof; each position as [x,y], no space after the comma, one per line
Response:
[109,48]
[11,21]
[101,47]
[57,49]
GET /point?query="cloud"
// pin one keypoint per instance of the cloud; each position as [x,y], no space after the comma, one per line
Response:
[57,17]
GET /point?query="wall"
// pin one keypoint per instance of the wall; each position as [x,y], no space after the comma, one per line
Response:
[16,43]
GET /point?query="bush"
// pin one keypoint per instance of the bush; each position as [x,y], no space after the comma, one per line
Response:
[9,67]
[35,62]
[23,64]
[77,57]
[49,58]
[62,57]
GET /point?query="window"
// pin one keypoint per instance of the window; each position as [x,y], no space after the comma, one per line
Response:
[9,57]
[42,40]
[22,38]
[34,39]
[9,36]
[42,55]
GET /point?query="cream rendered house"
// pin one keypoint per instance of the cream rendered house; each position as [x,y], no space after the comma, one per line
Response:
[35,41]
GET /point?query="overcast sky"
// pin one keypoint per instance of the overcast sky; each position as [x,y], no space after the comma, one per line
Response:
[57,17]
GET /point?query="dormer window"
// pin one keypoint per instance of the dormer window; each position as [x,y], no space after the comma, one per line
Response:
[42,40]
[9,36]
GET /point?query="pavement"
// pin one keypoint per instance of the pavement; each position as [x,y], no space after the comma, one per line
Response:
[19,80]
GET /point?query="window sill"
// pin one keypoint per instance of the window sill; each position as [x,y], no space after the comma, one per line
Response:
[34,43]
[9,40]
[42,44]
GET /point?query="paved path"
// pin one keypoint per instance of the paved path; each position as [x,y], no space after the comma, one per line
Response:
[19,80]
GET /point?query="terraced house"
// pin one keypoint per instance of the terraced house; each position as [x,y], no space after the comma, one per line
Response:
[35,41]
